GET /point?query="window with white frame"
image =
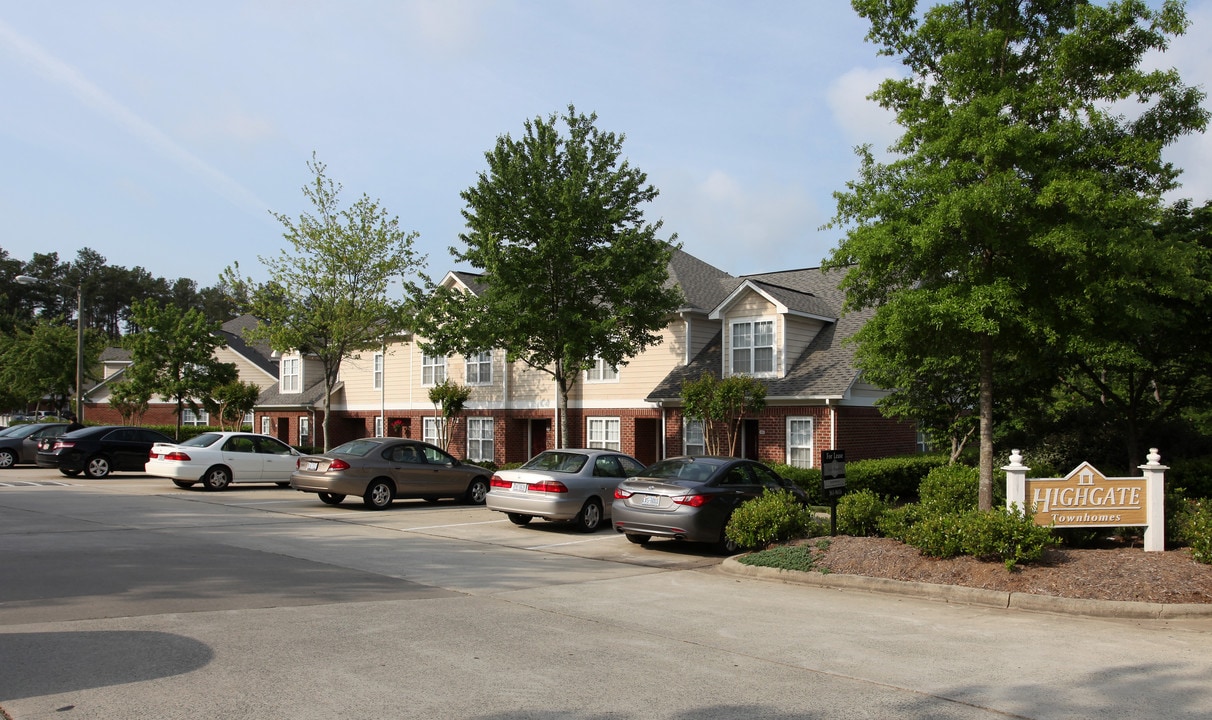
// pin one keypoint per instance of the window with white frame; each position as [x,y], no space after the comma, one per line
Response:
[602,372]
[189,417]
[479,368]
[430,429]
[378,371]
[266,425]
[604,433]
[433,369]
[753,347]
[479,438]
[304,430]
[247,419]
[799,442]
[290,375]
[378,426]
[693,442]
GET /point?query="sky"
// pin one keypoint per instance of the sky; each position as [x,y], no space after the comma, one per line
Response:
[162,135]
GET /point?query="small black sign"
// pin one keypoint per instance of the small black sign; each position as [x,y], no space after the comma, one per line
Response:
[833,471]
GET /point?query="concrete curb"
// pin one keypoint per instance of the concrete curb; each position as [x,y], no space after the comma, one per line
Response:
[972,596]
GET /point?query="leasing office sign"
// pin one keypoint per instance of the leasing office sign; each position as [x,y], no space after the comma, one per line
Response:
[1087,498]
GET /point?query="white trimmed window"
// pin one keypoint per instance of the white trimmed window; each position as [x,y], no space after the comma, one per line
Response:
[602,372]
[692,440]
[291,375]
[433,370]
[378,371]
[479,368]
[799,442]
[378,426]
[304,430]
[189,417]
[479,438]
[266,425]
[429,430]
[753,347]
[604,433]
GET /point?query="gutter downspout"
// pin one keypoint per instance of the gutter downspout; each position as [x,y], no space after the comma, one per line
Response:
[383,390]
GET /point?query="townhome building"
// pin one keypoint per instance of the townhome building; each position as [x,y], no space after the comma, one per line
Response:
[254,362]
[786,329]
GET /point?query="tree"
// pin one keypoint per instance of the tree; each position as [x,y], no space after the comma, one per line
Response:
[173,355]
[571,271]
[41,362]
[327,296]
[448,398]
[130,400]
[231,402]
[722,402]
[1017,185]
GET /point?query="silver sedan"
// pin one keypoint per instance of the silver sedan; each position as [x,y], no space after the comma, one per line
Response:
[574,485]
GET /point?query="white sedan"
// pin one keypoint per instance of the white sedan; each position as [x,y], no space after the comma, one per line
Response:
[217,459]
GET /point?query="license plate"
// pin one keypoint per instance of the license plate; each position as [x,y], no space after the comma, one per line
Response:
[650,501]
[520,487]
[313,466]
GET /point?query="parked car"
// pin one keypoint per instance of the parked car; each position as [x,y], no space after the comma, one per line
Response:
[217,459]
[691,498]
[380,470]
[99,450]
[19,444]
[570,485]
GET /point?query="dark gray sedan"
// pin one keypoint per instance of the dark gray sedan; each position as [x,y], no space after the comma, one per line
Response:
[380,470]
[691,498]
[20,443]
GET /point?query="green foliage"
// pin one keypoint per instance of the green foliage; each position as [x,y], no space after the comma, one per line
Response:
[895,523]
[330,293]
[231,401]
[448,398]
[950,489]
[722,402]
[40,361]
[782,557]
[1009,536]
[897,477]
[807,479]
[1194,475]
[859,512]
[1194,527]
[775,516]
[571,271]
[1012,227]
[131,400]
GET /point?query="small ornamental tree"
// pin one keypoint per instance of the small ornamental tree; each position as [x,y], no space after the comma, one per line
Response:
[721,405]
[448,398]
[130,400]
[231,402]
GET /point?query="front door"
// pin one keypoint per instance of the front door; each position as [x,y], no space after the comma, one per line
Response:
[539,429]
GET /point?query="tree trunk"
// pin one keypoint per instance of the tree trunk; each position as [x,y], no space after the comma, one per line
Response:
[985,497]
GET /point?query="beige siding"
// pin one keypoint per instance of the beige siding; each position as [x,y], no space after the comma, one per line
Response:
[246,371]
[751,306]
[637,378]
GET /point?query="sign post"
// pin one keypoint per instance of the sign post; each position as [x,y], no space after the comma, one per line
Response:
[833,479]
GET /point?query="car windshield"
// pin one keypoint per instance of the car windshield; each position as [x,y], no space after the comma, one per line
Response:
[203,440]
[355,448]
[563,462]
[680,470]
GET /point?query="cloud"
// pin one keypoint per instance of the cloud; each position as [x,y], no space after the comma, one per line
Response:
[94,97]
[860,120]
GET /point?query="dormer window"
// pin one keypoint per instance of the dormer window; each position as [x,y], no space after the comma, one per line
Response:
[290,375]
[753,347]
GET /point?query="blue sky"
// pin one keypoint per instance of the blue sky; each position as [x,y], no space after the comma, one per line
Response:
[162,134]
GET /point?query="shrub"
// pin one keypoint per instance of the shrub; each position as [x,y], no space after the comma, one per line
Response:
[807,479]
[1008,535]
[951,489]
[1194,526]
[895,522]
[892,477]
[775,516]
[937,534]
[1194,474]
[858,513]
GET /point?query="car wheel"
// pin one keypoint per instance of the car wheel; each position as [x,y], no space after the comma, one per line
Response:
[637,538]
[519,519]
[97,467]
[378,494]
[7,458]
[217,478]
[726,545]
[183,483]
[70,473]
[331,498]
[590,517]
[477,491]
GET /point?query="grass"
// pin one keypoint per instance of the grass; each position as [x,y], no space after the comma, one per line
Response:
[786,557]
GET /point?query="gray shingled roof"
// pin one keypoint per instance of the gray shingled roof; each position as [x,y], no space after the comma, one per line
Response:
[313,396]
[258,353]
[825,369]
[703,286]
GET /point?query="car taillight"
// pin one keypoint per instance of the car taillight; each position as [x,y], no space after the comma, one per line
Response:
[551,486]
[621,494]
[498,482]
[177,455]
[692,500]
[61,444]
[338,464]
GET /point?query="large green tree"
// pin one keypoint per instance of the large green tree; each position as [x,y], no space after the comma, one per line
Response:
[329,294]
[40,362]
[571,270]
[1019,182]
[173,355]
